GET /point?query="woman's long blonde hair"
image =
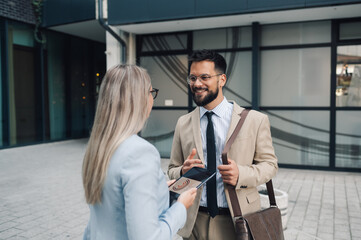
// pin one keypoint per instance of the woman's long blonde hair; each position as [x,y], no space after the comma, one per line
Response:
[122,110]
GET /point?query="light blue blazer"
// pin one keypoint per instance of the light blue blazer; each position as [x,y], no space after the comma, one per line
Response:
[135,198]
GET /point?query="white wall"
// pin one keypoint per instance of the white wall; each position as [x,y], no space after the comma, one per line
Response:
[114,48]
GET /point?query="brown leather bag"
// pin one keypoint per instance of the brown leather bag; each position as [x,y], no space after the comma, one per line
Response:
[261,225]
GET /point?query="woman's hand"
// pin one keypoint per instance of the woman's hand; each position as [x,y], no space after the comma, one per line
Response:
[170,182]
[187,198]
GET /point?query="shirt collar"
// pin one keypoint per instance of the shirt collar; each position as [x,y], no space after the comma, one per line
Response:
[218,110]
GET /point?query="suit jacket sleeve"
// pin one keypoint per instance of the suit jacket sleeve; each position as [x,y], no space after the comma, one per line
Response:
[264,163]
[177,158]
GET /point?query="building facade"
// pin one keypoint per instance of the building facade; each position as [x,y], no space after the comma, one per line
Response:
[48,78]
[298,62]
[304,75]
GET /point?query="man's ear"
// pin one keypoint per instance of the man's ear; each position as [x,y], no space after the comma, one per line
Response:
[222,80]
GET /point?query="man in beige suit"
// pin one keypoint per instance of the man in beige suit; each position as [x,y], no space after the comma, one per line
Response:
[251,159]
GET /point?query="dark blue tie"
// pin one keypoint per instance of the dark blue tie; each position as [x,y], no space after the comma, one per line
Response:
[211,165]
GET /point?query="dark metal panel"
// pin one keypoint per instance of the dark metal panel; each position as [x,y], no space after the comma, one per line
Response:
[334,38]
[130,11]
[165,9]
[68,113]
[266,5]
[39,92]
[256,38]
[309,3]
[5,81]
[207,7]
[190,49]
[60,12]
[138,11]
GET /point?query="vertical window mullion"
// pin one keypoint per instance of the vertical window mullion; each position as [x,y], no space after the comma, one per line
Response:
[5,82]
[334,40]
[255,65]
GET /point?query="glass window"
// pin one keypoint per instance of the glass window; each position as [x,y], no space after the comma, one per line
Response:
[80,87]
[296,33]
[350,30]
[56,86]
[295,77]
[169,75]
[348,85]
[222,38]
[164,42]
[159,129]
[22,35]
[301,137]
[239,77]
[348,139]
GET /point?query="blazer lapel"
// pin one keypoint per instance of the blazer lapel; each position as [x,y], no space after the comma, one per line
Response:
[235,118]
[197,133]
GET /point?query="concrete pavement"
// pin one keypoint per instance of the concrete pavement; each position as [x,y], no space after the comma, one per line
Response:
[41,196]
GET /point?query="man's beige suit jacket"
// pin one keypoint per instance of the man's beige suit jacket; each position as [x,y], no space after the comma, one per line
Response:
[252,150]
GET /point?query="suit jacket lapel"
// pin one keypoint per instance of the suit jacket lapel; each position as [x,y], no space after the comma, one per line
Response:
[235,118]
[197,133]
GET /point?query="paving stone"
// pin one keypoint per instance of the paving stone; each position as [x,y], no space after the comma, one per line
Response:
[325,236]
[32,232]
[325,229]
[7,225]
[47,201]
[11,232]
[356,234]
[344,235]
[18,238]
[310,230]
[7,218]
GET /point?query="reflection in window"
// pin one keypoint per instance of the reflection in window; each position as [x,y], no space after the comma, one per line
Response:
[348,85]
[303,73]
[159,129]
[169,74]
[222,38]
[300,137]
[350,30]
[296,33]
[164,42]
[348,139]
[239,77]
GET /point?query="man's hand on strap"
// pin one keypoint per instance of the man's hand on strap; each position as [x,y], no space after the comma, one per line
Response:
[229,172]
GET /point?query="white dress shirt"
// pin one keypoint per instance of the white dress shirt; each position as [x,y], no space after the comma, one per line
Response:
[221,120]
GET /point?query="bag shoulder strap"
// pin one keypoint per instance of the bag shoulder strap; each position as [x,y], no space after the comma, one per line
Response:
[231,190]
[230,141]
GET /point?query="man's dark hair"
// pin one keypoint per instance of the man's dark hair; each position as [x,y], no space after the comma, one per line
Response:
[209,55]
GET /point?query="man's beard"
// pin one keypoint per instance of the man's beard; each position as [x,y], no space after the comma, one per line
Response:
[206,100]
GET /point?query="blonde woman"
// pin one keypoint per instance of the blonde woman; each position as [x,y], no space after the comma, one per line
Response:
[123,182]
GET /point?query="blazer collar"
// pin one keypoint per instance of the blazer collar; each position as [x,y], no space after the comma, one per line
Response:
[235,118]
[197,133]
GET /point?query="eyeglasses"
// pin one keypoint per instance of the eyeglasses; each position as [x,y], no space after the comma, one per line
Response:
[191,79]
[154,92]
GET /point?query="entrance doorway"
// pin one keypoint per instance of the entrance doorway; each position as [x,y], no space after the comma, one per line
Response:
[24,94]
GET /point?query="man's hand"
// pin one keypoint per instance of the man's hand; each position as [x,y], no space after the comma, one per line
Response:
[190,162]
[229,172]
